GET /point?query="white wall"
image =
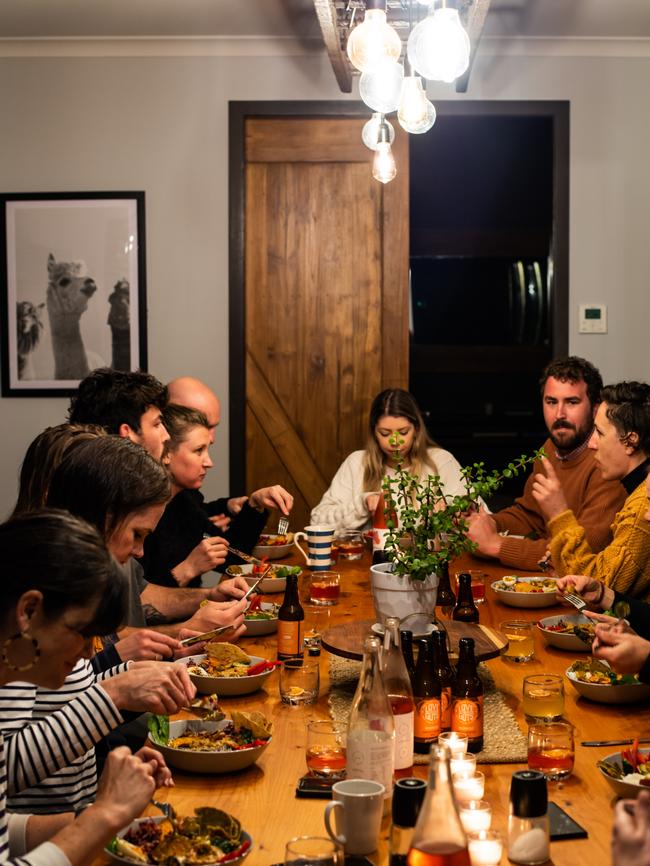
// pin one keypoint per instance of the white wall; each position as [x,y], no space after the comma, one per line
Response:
[160,124]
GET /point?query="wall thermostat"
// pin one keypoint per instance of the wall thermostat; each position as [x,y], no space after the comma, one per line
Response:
[593,319]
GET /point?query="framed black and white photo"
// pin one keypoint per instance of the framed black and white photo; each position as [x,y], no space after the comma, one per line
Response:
[73,288]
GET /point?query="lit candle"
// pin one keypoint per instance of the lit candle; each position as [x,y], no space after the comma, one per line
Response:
[476,815]
[463,767]
[471,788]
[456,744]
[485,848]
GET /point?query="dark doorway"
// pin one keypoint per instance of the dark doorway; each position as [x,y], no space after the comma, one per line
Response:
[489,272]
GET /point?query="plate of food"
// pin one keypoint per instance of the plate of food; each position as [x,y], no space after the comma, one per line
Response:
[627,771]
[207,837]
[273,546]
[261,618]
[573,632]
[200,746]
[596,681]
[529,592]
[275,581]
[225,669]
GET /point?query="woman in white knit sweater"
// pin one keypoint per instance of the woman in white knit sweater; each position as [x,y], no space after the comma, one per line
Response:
[352,497]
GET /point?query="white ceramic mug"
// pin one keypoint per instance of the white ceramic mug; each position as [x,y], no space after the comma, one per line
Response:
[319,539]
[359,804]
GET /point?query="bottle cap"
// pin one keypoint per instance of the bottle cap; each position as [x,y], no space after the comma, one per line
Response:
[407,799]
[528,794]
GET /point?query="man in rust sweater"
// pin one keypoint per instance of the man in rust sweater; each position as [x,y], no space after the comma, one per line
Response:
[570,396]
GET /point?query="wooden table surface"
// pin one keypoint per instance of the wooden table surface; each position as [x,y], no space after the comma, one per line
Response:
[263,797]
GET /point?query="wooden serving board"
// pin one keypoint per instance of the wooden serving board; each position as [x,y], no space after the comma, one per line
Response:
[347,638]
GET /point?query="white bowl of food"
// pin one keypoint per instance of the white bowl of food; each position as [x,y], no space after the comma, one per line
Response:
[207,682]
[273,546]
[560,632]
[275,581]
[155,834]
[526,592]
[623,778]
[261,620]
[200,746]
[594,680]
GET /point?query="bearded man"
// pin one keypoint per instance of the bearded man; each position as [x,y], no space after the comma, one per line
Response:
[517,536]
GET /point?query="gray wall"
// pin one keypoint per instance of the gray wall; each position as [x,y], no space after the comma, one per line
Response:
[160,124]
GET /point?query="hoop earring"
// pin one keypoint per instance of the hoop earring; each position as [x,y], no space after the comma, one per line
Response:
[36,652]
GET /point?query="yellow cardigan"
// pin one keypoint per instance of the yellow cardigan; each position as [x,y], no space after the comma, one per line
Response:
[624,564]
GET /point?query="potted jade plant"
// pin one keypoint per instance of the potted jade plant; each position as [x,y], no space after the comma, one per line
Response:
[426,530]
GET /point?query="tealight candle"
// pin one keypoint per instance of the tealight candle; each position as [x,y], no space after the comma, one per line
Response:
[463,767]
[471,788]
[456,744]
[476,815]
[485,848]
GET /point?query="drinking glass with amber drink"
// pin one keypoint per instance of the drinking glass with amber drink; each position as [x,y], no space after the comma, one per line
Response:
[325,587]
[543,697]
[326,749]
[551,749]
[521,643]
[349,544]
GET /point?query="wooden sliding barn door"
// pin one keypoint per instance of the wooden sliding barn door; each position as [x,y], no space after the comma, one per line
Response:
[326,298]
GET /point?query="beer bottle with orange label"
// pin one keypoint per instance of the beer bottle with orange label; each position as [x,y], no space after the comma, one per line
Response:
[426,691]
[445,673]
[467,697]
[291,620]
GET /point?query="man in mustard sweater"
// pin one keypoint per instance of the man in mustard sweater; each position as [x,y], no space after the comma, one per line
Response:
[621,446]
[570,397]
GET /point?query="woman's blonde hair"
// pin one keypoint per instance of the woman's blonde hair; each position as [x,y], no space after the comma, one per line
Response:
[398,404]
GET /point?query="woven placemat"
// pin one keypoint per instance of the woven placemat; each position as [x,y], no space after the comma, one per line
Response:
[504,741]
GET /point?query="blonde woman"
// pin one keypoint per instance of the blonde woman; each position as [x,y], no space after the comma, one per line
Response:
[353,494]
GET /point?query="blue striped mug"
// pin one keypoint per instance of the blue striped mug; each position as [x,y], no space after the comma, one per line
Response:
[319,539]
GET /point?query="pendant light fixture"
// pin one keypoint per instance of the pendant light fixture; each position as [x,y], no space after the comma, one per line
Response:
[416,113]
[370,131]
[438,47]
[383,165]
[374,40]
[381,89]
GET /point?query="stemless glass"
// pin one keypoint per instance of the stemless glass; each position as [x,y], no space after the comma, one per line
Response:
[299,682]
[325,587]
[312,851]
[521,644]
[326,749]
[543,697]
[349,544]
[551,749]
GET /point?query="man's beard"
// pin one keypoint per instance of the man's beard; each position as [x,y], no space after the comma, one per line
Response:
[566,444]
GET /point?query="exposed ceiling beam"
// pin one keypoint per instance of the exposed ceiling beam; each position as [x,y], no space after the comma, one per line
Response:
[332,36]
[476,16]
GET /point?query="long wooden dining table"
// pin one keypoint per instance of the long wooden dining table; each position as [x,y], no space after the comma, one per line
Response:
[263,796]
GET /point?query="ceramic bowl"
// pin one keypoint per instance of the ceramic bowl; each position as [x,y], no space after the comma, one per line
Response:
[628,790]
[227,686]
[258,627]
[564,640]
[528,600]
[207,762]
[273,551]
[157,819]
[267,586]
[628,693]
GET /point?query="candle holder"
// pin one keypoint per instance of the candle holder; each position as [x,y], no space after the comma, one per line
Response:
[463,767]
[485,848]
[471,788]
[476,815]
[455,743]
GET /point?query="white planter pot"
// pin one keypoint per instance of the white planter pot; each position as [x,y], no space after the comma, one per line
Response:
[403,597]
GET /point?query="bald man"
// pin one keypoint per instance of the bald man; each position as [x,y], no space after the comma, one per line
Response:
[195,394]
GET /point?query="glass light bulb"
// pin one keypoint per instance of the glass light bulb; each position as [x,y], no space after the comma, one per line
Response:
[438,47]
[370,131]
[415,114]
[383,165]
[372,41]
[381,88]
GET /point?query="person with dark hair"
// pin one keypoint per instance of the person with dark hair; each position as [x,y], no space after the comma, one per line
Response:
[621,447]
[119,488]
[43,456]
[518,535]
[127,404]
[352,497]
[185,544]
[59,588]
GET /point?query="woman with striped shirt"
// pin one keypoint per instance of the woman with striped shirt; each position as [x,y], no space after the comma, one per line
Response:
[59,588]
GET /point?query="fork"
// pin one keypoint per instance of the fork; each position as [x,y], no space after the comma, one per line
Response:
[166,808]
[579,603]
[283,526]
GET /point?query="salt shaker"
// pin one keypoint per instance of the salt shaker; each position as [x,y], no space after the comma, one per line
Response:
[408,795]
[528,825]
